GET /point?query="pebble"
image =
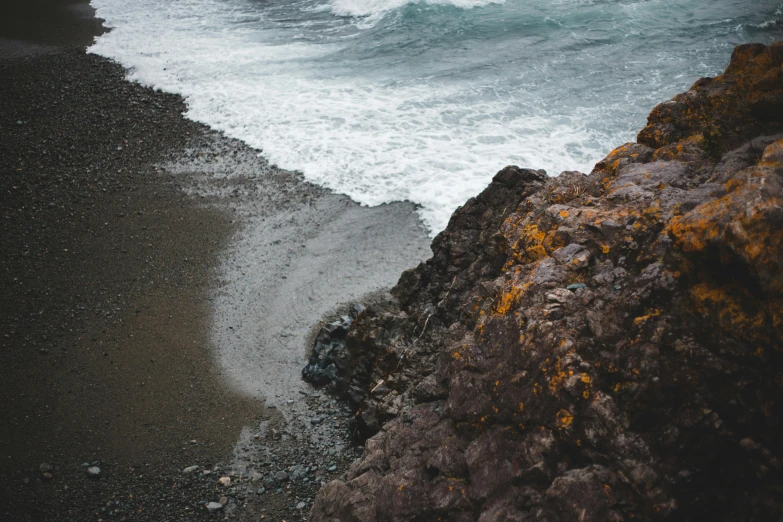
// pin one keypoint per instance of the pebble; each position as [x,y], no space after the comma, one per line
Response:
[281,476]
[316,420]
[225,481]
[214,506]
[301,505]
[45,467]
[190,469]
[93,472]
[332,468]
[575,286]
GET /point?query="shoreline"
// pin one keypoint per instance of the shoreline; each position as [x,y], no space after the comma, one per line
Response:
[113,273]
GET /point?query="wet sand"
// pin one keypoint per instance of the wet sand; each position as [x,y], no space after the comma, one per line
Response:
[301,254]
[158,280]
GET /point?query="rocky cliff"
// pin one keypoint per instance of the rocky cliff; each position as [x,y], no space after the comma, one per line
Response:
[591,348]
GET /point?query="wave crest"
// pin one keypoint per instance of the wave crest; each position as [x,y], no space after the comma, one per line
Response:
[376,9]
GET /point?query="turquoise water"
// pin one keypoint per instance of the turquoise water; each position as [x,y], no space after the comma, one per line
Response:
[424,101]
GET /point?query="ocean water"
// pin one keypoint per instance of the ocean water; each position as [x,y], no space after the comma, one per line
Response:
[424,100]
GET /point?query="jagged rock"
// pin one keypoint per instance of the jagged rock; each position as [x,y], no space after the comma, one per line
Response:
[650,390]
[329,361]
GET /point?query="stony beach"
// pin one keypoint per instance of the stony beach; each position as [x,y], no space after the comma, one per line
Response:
[591,347]
[161,284]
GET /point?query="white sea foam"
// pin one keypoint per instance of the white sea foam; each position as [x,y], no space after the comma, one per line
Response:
[374,141]
[284,78]
[377,8]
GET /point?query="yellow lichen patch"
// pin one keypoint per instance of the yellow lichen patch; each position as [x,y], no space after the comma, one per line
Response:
[556,380]
[605,249]
[563,214]
[588,382]
[521,406]
[725,305]
[555,373]
[652,312]
[552,241]
[733,184]
[680,150]
[529,247]
[563,419]
[696,229]
[612,162]
[507,299]
[772,155]
[739,221]
[652,213]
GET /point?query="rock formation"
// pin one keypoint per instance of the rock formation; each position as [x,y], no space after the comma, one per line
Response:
[591,348]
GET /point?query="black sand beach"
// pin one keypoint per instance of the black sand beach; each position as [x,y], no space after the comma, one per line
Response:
[111,264]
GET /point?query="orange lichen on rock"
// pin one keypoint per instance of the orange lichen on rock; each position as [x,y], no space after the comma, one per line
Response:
[508,299]
[732,308]
[530,245]
[741,223]
[563,419]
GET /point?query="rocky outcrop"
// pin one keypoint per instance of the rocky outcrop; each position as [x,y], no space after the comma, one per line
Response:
[592,348]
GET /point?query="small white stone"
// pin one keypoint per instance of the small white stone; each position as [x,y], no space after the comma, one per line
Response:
[214,506]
